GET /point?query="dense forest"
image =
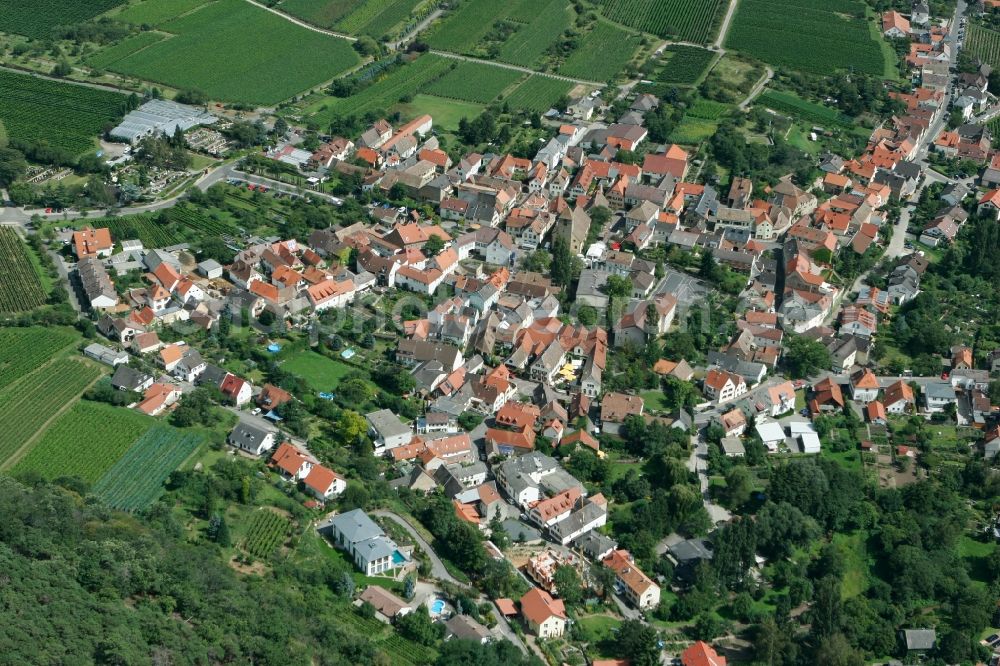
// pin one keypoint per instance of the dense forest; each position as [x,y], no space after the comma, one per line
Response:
[82,584]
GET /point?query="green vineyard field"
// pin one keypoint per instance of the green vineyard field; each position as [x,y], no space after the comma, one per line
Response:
[20,288]
[85,442]
[23,350]
[266,532]
[136,480]
[25,408]
[64,116]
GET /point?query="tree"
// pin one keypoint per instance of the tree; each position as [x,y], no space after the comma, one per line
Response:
[805,357]
[568,584]
[62,69]
[739,485]
[419,628]
[562,262]
[433,246]
[708,268]
[618,286]
[638,643]
[825,614]
[12,166]
[834,650]
[366,46]
[192,96]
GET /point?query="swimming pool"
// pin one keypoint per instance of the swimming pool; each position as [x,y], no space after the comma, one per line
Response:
[437,607]
[398,557]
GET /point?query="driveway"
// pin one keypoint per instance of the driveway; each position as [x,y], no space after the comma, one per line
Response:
[438,569]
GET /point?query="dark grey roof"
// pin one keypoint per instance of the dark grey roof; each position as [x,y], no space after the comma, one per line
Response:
[245,433]
[690,550]
[356,526]
[128,378]
[594,544]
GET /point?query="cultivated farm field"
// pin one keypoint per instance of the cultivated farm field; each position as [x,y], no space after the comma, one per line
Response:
[401,82]
[683,65]
[529,42]
[235,51]
[85,442]
[20,288]
[136,480]
[267,530]
[377,17]
[146,228]
[155,12]
[27,407]
[107,57]
[538,93]
[474,82]
[23,350]
[796,106]
[602,53]
[324,13]
[37,18]
[819,36]
[984,44]
[466,26]
[64,116]
[685,20]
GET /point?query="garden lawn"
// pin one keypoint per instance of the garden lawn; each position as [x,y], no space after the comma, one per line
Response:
[446,112]
[320,372]
[855,553]
[85,442]
[598,629]
[654,400]
[234,51]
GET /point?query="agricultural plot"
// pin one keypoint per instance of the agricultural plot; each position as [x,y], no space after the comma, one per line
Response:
[377,17]
[816,36]
[38,18]
[474,82]
[123,49]
[707,109]
[528,44]
[23,350]
[692,130]
[184,215]
[602,53]
[235,51]
[85,442]
[266,532]
[684,65]
[406,652]
[136,480]
[25,409]
[64,116]
[685,20]
[404,81]
[146,228]
[466,27]
[20,288]
[984,44]
[324,13]
[810,112]
[538,93]
[155,12]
